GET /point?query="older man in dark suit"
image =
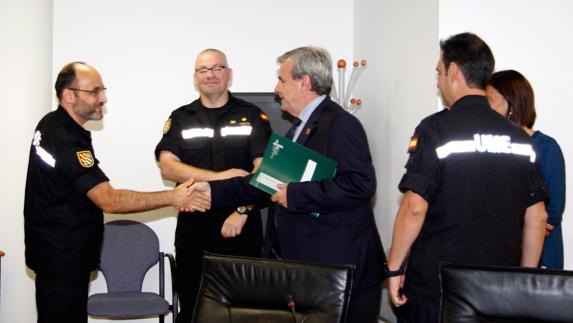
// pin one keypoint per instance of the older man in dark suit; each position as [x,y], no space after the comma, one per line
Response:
[344,232]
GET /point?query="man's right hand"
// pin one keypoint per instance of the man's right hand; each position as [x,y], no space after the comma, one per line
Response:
[198,198]
[230,173]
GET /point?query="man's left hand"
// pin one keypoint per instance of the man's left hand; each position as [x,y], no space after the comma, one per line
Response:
[233,225]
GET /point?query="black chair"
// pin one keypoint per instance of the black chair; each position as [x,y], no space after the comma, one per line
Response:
[505,294]
[129,250]
[241,290]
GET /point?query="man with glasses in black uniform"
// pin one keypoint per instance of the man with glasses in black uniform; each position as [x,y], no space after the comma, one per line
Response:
[472,194]
[66,192]
[215,137]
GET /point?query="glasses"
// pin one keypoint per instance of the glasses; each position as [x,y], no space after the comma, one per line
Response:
[95,92]
[215,69]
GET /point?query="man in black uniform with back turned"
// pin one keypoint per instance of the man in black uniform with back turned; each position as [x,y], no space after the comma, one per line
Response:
[215,137]
[472,194]
[66,192]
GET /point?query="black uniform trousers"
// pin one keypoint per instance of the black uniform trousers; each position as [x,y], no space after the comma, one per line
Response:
[62,299]
[188,280]
[364,306]
[413,312]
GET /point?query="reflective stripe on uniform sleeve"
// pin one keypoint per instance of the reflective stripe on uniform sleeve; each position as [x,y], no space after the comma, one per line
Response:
[45,156]
[488,143]
[41,152]
[236,131]
[197,132]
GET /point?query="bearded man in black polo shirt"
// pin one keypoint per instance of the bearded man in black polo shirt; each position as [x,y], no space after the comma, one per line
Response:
[472,194]
[66,192]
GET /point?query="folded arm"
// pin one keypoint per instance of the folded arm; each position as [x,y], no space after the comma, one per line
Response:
[173,169]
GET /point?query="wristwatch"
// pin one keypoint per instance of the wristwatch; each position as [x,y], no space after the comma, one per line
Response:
[393,273]
[242,210]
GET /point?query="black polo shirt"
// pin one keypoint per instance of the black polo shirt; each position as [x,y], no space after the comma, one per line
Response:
[476,171]
[63,227]
[231,136]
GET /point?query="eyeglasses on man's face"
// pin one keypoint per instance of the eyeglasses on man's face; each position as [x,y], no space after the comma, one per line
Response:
[217,69]
[95,92]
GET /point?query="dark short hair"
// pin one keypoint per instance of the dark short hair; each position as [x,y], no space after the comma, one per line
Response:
[472,55]
[314,62]
[518,93]
[66,77]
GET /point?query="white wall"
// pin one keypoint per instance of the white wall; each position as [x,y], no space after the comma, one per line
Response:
[399,40]
[25,82]
[531,37]
[145,51]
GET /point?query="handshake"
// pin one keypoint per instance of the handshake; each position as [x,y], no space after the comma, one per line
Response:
[191,196]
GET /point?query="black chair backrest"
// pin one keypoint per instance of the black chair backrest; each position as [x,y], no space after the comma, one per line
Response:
[240,290]
[505,294]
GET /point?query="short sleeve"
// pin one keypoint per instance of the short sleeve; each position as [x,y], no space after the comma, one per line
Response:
[537,190]
[78,162]
[422,168]
[260,135]
[171,138]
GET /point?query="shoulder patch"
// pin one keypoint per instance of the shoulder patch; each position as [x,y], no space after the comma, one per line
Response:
[413,144]
[264,117]
[167,126]
[85,158]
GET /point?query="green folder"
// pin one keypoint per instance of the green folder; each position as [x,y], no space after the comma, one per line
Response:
[286,161]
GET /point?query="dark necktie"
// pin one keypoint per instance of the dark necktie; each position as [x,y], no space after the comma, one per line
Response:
[295,123]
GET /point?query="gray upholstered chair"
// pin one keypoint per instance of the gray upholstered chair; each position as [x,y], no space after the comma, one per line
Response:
[1,255]
[248,290]
[480,294]
[129,250]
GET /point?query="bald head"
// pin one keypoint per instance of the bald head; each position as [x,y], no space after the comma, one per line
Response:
[211,52]
[212,77]
[81,92]
[67,78]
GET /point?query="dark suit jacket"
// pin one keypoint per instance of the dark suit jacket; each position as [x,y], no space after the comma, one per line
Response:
[345,231]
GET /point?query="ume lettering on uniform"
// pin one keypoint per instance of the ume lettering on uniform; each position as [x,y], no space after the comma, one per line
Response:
[486,143]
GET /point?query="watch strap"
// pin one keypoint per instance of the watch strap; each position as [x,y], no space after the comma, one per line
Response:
[393,273]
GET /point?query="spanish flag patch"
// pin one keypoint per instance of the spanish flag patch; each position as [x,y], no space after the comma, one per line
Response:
[413,144]
[264,117]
